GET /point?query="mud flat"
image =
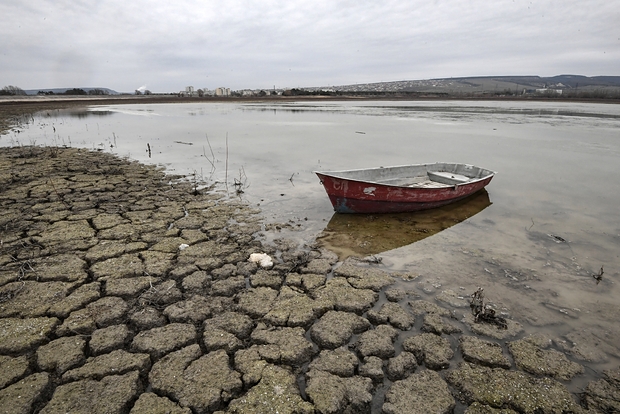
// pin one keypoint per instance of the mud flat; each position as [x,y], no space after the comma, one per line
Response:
[125,290]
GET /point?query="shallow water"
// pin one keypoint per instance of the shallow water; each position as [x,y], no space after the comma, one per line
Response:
[549,222]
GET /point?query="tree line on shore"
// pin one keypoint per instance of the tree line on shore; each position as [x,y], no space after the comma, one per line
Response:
[11,90]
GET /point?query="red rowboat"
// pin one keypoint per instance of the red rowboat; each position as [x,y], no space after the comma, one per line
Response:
[403,188]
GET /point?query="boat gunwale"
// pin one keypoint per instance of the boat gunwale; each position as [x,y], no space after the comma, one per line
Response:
[332,174]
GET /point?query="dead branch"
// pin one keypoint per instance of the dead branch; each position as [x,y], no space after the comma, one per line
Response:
[598,276]
[485,313]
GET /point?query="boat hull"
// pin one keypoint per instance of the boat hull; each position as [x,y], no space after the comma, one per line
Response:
[365,196]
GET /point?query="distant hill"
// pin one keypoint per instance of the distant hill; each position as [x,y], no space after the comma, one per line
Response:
[61,91]
[490,85]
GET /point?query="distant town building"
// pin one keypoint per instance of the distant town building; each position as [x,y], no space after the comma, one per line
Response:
[544,91]
[200,92]
[189,91]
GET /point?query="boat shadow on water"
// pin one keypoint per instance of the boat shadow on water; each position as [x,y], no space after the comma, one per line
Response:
[369,234]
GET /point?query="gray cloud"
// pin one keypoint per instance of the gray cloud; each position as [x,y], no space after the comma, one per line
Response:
[291,43]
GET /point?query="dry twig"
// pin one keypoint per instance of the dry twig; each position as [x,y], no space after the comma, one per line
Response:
[598,276]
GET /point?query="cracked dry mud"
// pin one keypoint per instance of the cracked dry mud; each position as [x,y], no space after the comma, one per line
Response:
[102,311]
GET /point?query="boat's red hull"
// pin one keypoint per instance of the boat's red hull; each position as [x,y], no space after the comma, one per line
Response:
[351,196]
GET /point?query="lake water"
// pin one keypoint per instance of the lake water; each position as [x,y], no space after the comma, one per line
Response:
[548,221]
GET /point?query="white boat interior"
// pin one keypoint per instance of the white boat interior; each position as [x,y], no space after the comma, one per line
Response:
[435,175]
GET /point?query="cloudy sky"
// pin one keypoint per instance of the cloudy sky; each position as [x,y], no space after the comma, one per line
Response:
[165,45]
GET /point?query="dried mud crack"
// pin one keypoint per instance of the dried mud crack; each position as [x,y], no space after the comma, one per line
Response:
[122,290]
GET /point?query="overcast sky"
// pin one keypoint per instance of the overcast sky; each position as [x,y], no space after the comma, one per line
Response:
[165,45]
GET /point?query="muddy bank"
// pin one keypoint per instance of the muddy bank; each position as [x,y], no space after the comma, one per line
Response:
[126,290]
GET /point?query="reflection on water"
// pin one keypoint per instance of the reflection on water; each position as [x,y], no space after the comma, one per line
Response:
[79,113]
[450,109]
[369,234]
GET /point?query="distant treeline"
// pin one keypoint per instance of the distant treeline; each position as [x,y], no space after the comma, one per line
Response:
[12,90]
[76,91]
[16,91]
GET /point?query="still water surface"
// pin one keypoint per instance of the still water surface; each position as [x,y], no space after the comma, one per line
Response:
[548,221]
